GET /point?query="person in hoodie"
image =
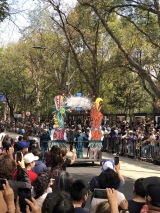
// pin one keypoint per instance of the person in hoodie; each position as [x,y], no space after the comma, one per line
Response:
[39,167]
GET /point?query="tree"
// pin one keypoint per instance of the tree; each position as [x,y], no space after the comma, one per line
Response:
[85,38]
[144,18]
[4,9]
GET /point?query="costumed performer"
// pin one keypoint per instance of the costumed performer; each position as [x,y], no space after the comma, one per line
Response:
[96,136]
[79,143]
[59,134]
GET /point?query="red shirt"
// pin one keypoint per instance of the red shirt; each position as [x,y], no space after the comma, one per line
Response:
[32,176]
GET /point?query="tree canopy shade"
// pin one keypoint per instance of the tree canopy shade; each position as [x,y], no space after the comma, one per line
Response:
[4,9]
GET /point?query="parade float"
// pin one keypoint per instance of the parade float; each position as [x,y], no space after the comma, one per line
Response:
[62,105]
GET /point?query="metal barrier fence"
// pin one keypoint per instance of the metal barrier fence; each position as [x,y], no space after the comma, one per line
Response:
[145,150]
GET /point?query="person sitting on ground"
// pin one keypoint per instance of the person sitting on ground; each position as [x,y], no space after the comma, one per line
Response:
[39,166]
[63,182]
[29,160]
[42,186]
[135,205]
[58,202]
[107,164]
[107,179]
[79,194]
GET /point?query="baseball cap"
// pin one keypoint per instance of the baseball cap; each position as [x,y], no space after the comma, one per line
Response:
[108,164]
[152,187]
[22,144]
[28,158]
[153,191]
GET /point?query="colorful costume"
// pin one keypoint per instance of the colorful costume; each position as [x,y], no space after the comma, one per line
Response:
[96,134]
[59,135]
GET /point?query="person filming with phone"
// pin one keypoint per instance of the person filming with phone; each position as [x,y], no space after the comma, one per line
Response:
[7,168]
[110,177]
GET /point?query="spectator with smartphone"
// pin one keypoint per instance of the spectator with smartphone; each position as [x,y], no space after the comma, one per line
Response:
[7,168]
[107,179]
[29,160]
[107,164]
[67,161]
[59,160]
[109,206]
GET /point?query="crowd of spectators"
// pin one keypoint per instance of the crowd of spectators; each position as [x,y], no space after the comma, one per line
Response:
[140,140]
[30,182]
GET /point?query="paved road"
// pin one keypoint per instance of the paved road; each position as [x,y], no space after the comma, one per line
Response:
[130,168]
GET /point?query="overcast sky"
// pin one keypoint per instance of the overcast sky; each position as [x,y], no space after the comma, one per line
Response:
[9,32]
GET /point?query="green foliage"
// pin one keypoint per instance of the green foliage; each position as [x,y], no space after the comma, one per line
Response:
[76,48]
[4,9]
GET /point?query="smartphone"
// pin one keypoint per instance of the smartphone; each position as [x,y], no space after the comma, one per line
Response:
[116,160]
[100,193]
[71,147]
[23,193]
[2,181]
[18,156]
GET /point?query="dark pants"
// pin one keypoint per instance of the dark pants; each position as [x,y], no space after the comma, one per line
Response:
[44,148]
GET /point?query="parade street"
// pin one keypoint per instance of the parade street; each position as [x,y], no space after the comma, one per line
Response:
[130,168]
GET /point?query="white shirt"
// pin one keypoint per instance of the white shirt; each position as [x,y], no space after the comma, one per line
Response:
[95,201]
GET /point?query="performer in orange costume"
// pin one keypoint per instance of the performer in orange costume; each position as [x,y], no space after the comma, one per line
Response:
[96,134]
